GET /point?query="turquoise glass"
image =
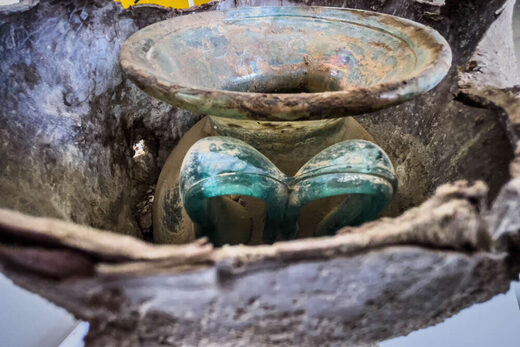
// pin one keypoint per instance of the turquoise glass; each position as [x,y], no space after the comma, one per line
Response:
[219,166]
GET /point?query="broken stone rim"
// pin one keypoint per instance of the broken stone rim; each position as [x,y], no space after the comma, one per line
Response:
[453,219]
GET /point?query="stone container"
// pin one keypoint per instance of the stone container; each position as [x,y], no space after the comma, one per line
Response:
[82,147]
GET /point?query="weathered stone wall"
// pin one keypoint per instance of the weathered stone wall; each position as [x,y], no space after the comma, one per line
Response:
[69,118]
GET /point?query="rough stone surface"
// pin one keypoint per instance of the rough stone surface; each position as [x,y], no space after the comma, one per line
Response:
[505,220]
[339,290]
[504,103]
[341,301]
[494,62]
[434,138]
[69,118]
[504,217]
[20,6]
[301,304]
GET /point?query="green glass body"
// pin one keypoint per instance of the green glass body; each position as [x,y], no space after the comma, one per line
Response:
[222,166]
